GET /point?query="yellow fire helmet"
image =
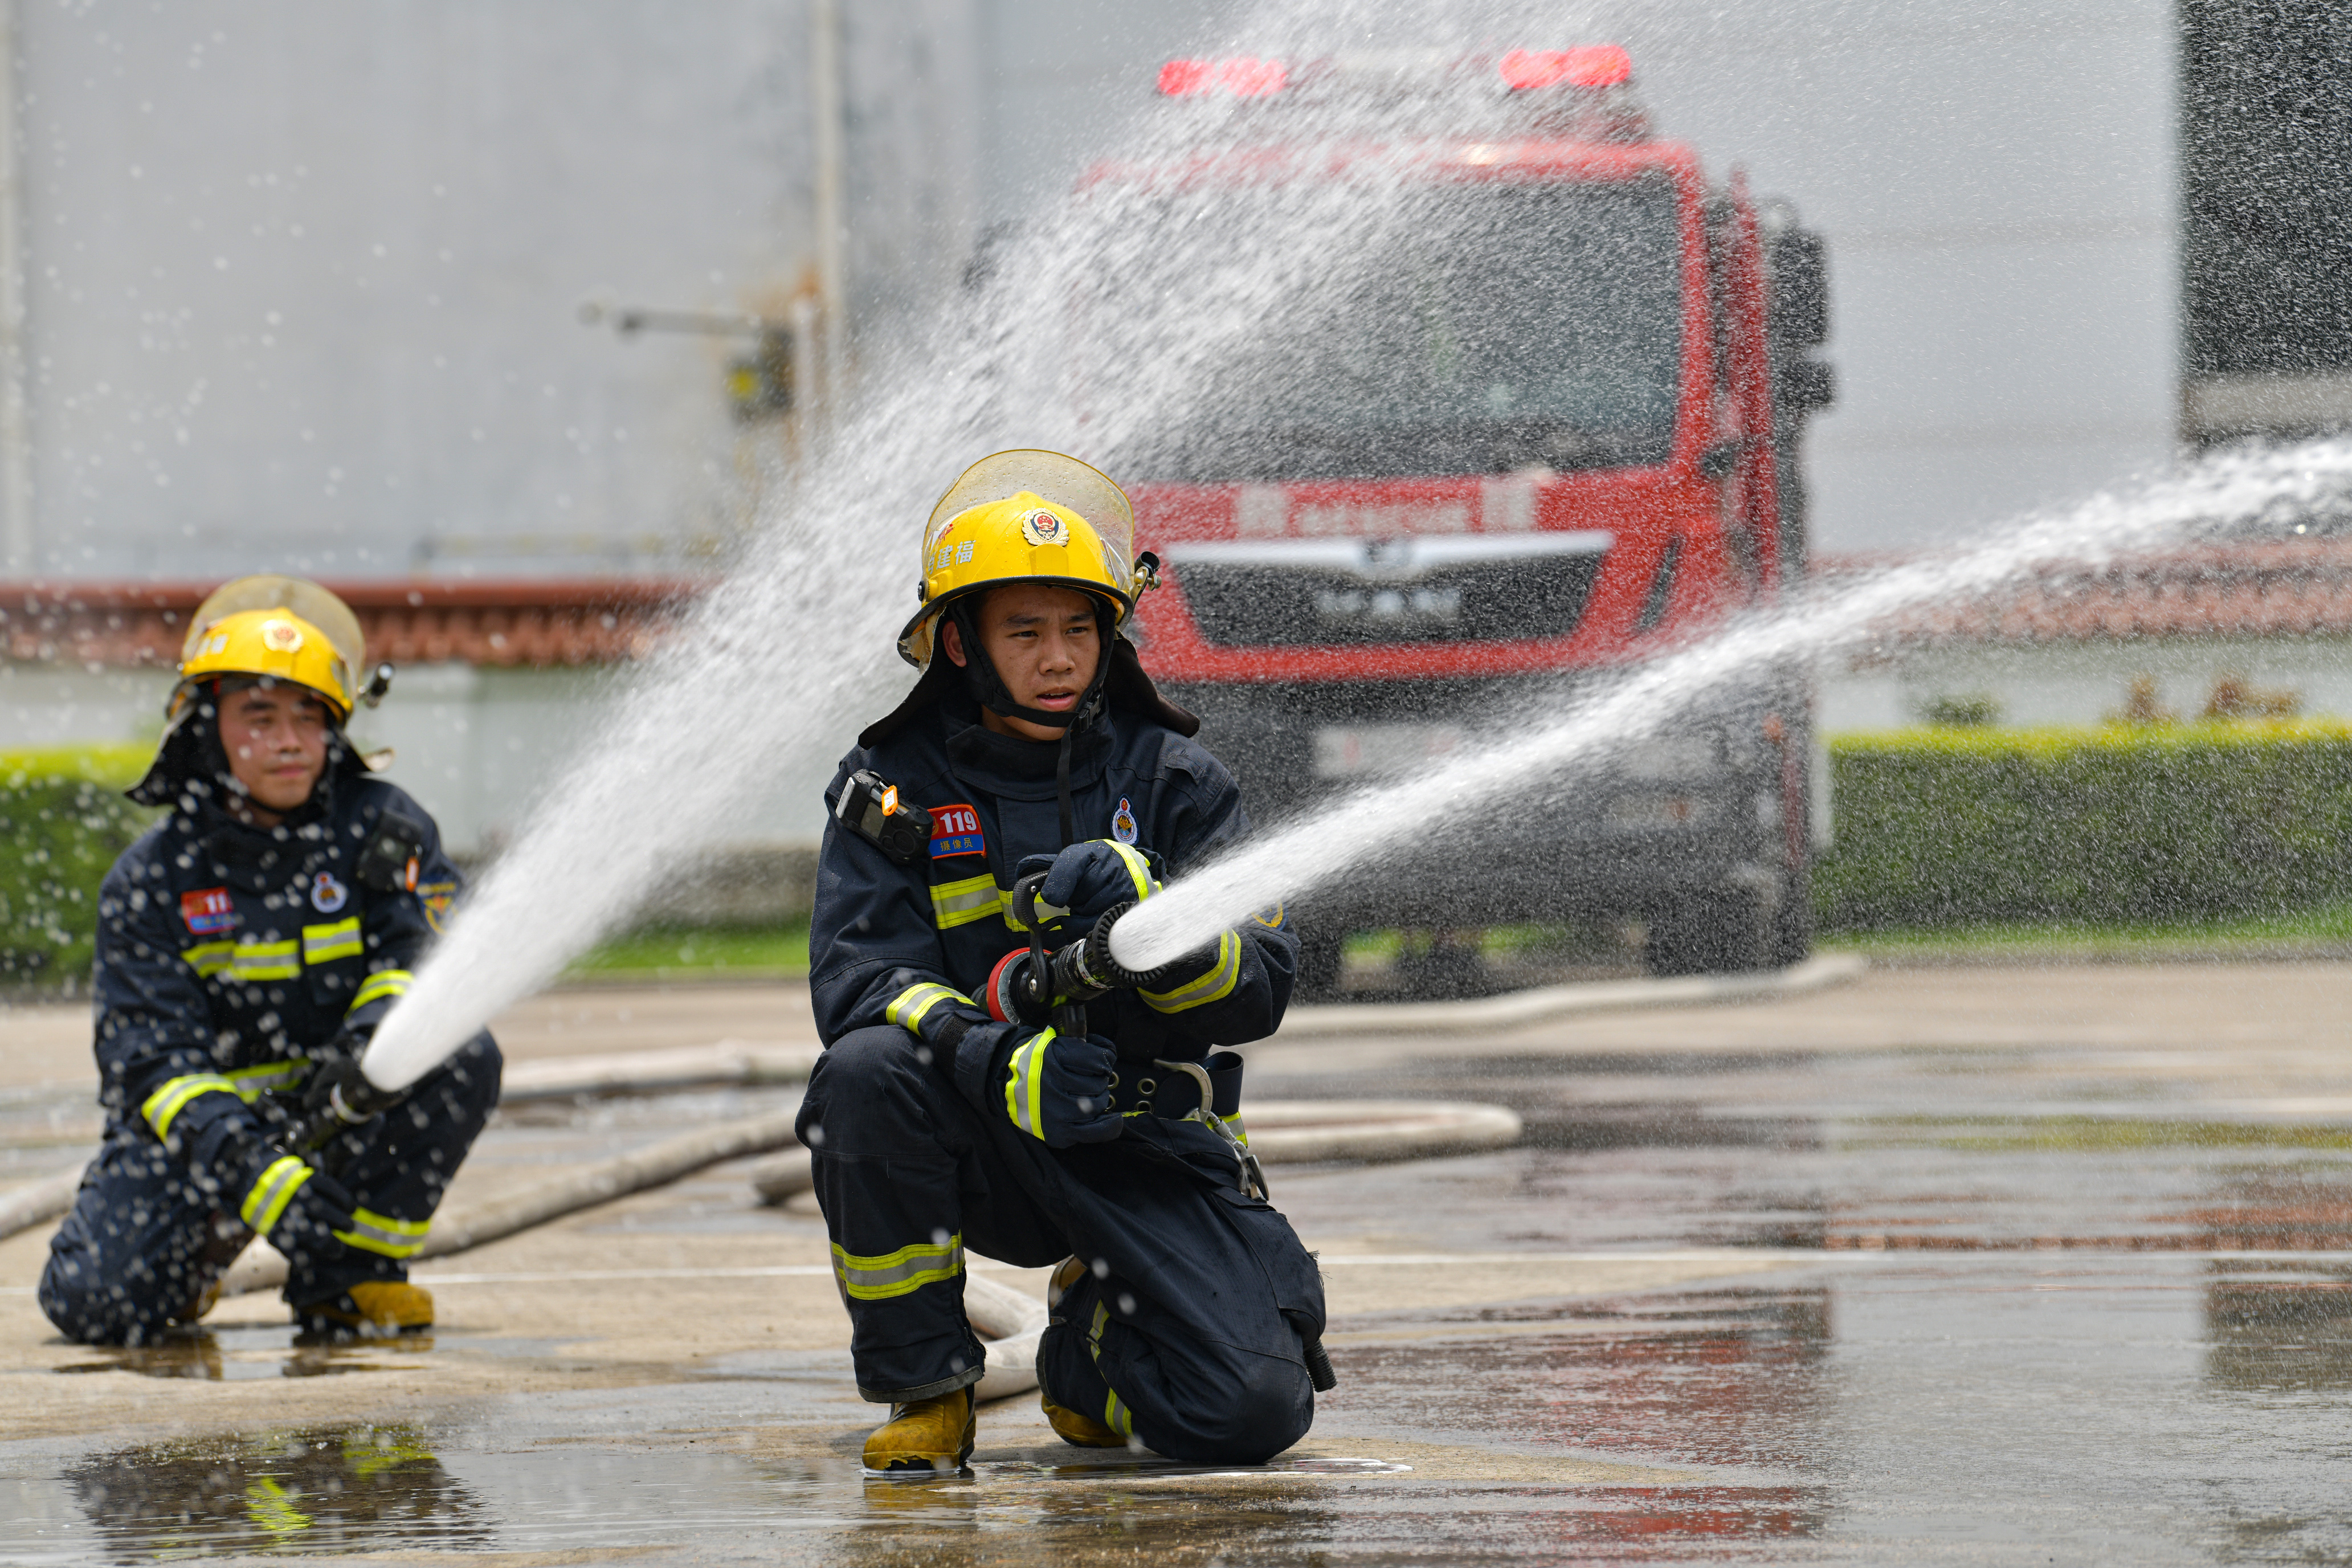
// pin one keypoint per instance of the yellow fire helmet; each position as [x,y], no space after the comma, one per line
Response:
[1022,517]
[279,626]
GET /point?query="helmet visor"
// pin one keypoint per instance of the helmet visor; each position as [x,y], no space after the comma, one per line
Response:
[306,601]
[1064,481]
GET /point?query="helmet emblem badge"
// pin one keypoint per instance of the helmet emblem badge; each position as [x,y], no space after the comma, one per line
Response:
[1042,527]
[281,636]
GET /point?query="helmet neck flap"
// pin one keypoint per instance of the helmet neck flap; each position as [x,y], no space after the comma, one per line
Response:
[192,767]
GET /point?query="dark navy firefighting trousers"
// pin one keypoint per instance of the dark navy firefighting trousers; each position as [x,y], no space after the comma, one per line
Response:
[143,1241]
[1184,1332]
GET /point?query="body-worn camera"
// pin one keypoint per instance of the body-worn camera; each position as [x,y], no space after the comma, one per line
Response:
[391,859]
[872,809]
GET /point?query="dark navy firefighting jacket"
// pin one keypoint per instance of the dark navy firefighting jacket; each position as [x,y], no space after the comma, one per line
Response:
[881,931]
[228,953]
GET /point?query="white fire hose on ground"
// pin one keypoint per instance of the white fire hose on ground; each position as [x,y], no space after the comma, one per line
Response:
[1280,1132]
[1294,1132]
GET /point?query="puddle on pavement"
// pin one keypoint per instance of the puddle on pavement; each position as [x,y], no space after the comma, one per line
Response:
[530,1480]
[360,1488]
[1155,1470]
[242,1355]
[2279,1331]
[1700,1378]
[398,1488]
[1828,1419]
[1939,1387]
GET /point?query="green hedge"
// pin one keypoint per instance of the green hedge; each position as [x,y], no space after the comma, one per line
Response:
[1935,827]
[63,820]
[1952,826]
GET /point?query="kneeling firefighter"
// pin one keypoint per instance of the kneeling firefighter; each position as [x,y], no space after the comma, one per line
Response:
[247,946]
[981,1092]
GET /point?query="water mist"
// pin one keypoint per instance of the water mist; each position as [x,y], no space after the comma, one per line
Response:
[1094,326]
[2209,499]
[1099,324]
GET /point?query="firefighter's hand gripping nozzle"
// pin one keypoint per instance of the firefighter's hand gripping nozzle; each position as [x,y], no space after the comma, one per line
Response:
[1039,988]
[339,1097]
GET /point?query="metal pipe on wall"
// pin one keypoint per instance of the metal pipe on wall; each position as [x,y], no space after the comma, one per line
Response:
[19,555]
[825,106]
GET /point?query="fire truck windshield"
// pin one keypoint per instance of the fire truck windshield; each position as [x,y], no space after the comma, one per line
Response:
[1503,326]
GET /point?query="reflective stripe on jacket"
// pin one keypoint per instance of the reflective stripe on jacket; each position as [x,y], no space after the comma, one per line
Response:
[227,954]
[880,931]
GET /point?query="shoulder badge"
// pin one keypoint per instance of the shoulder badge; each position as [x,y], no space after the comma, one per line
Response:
[435,897]
[208,913]
[955,830]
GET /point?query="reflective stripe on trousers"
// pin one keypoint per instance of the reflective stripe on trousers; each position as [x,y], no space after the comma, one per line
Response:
[897,1273]
[1115,1411]
[377,1232]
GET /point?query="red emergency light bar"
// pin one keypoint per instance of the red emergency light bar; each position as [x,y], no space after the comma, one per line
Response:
[1594,65]
[1239,77]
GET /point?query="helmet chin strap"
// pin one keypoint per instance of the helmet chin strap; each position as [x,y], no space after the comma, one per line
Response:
[988,689]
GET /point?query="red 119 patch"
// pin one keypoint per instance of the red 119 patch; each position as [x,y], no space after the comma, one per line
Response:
[955,830]
[208,911]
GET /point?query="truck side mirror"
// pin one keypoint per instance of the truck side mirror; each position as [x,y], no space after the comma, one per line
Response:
[1796,262]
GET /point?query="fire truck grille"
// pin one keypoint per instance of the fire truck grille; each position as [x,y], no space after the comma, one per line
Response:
[1276,603]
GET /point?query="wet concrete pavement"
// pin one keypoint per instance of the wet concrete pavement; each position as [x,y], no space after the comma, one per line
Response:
[1947,1265]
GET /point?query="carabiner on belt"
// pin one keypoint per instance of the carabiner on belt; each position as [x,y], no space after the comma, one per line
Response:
[1252,1177]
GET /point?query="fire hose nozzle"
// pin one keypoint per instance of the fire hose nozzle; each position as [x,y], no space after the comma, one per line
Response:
[344,1097]
[1036,985]
[1090,957]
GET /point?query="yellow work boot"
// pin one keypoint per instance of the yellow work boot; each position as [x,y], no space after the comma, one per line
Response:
[1067,1273]
[205,1302]
[933,1434]
[1077,1430]
[373,1309]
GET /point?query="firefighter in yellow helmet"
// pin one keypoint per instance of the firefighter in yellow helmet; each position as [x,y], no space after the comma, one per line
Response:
[248,943]
[1034,766]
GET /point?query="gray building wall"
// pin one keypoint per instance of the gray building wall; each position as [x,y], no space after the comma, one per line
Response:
[304,281]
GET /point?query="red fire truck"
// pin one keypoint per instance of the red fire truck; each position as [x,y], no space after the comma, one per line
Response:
[1552,432]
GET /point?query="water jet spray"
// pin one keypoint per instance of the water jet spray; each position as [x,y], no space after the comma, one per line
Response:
[2206,500]
[700,727]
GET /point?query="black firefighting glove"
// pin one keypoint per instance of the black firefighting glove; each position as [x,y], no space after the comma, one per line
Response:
[299,1208]
[1090,878]
[337,1067]
[1058,1088]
